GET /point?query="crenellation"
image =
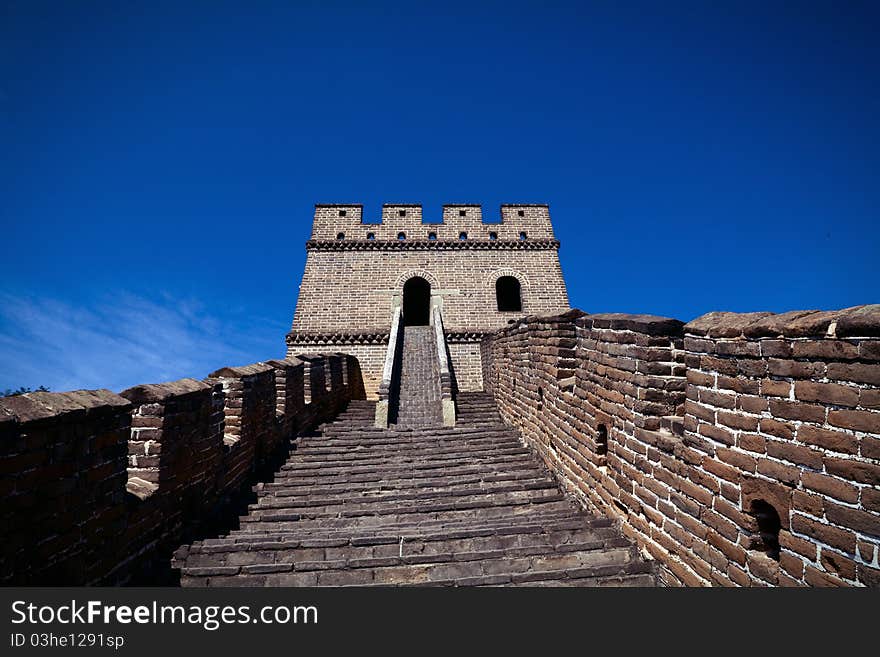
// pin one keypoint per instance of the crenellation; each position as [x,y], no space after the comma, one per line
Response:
[351,283]
[348,220]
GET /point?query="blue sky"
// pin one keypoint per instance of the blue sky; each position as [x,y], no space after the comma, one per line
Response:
[159,162]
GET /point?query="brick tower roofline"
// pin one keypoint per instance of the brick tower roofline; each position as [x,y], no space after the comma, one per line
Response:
[405,222]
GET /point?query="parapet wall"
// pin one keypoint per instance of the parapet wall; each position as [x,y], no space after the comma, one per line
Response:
[347,220]
[355,275]
[699,436]
[100,488]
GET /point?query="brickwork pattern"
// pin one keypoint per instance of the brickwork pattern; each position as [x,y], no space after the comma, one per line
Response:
[677,430]
[328,223]
[353,291]
[100,488]
[463,506]
[466,366]
[350,285]
[418,402]
[63,458]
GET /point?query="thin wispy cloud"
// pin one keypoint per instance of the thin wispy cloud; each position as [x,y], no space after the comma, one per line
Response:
[124,339]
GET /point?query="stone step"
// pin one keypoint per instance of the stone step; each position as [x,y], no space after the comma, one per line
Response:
[416,550]
[306,460]
[569,527]
[366,439]
[370,481]
[422,508]
[468,505]
[346,445]
[286,558]
[543,521]
[342,536]
[400,517]
[423,500]
[343,475]
[387,492]
[391,468]
[462,569]
[418,397]
[452,434]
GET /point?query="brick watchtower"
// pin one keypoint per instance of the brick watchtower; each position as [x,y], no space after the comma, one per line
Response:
[480,275]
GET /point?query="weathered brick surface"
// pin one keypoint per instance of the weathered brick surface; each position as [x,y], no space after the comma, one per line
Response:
[418,401]
[704,420]
[454,506]
[63,464]
[351,284]
[101,488]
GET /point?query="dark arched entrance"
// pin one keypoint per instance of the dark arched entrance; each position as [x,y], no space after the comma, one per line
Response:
[416,302]
[508,294]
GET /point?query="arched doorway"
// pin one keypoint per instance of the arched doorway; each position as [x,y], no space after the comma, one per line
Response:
[508,294]
[416,302]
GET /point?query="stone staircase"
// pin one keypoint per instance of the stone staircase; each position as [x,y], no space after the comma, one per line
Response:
[418,403]
[469,505]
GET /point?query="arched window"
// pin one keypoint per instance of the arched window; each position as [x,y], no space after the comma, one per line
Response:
[462,236]
[601,440]
[432,236]
[401,236]
[493,236]
[371,236]
[768,527]
[507,294]
[522,235]
[340,236]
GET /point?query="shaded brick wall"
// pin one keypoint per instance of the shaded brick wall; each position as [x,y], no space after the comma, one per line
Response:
[101,488]
[466,365]
[350,285]
[63,463]
[683,431]
[175,453]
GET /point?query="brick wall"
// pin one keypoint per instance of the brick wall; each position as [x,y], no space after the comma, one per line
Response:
[332,219]
[466,365]
[100,488]
[351,284]
[699,437]
[63,464]
[175,453]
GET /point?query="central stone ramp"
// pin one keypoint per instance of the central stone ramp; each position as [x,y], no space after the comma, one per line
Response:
[468,505]
[418,403]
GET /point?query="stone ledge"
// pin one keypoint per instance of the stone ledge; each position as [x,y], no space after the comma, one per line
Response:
[525,205]
[34,406]
[423,245]
[149,393]
[244,370]
[648,324]
[568,316]
[857,321]
[282,364]
[141,488]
